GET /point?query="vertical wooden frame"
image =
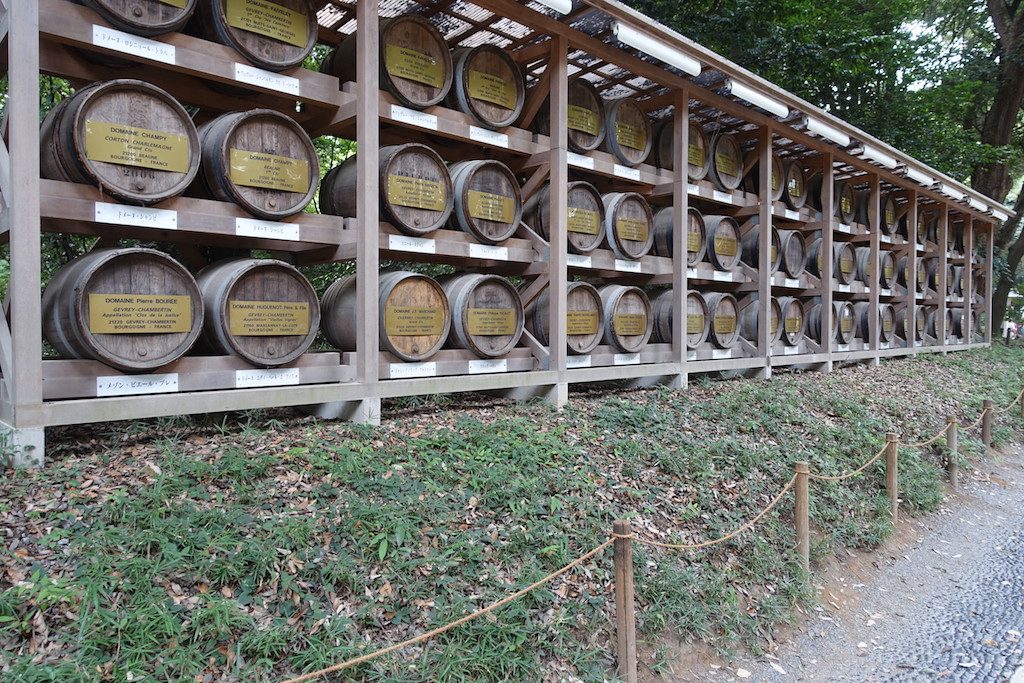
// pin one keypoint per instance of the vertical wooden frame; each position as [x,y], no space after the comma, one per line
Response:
[874,275]
[828,224]
[680,222]
[940,281]
[764,245]
[911,275]
[989,278]
[559,197]
[968,279]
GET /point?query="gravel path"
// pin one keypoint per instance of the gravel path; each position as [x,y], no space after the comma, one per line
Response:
[944,601]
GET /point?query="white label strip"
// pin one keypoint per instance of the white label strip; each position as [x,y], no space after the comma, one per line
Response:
[418,245]
[692,189]
[113,39]
[792,215]
[267,79]
[844,288]
[578,261]
[413,117]
[790,282]
[719,276]
[626,359]
[790,350]
[691,272]
[411,370]
[486,367]
[251,227]
[487,251]
[691,355]
[918,343]
[843,227]
[842,347]
[626,172]
[885,238]
[885,292]
[628,266]
[719,354]
[575,159]
[884,345]
[573,362]
[488,137]
[130,385]
[722,197]
[138,216]
[268,377]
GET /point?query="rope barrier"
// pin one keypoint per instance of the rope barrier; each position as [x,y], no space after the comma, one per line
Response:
[929,442]
[1000,411]
[854,473]
[976,422]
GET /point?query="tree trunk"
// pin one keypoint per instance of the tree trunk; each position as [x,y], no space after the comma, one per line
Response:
[1008,277]
[993,179]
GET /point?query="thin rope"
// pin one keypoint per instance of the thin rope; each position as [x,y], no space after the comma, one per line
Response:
[854,473]
[1000,411]
[930,441]
[976,422]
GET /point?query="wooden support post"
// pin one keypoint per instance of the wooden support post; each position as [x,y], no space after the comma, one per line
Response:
[558,241]
[986,425]
[968,279]
[801,513]
[911,276]
[680,226]
[892,486]
[828,222]
[952,457]
[874,284]
[625,616]
[989,284]
[940,281]
[764,239]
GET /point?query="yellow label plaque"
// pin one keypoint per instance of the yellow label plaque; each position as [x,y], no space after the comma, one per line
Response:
[846,265]
[774,326]
[793,325]
[413,66]
[268,19]
[726,165]
[725,324]
[695,155]
[269,171]
[775,179]
[268,318]
[632,229]
[139,313]
[416,193]
[693,242]
[490,88]
[795,186]
[115,143]
[490,322]
[630,324]
[774,252]
[920,323]
[413,321]
[845,204]
[725,246]
[581,322]
[584,120]
[887,325]
[694,323]
[922,275]
[488,206]
[888,270]
[890,213]
[846,324]
[630,136]
[180,4]
[584,221]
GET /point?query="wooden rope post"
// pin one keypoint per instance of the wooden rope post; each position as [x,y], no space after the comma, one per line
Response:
[891,476]
[1021,407]
[625,614]
[952,458]
[986,425]
[801,513]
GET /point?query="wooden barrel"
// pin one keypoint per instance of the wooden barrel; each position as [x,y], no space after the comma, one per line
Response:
[726,163]
[415,62]
[586,117]
[886,323]
[585,230]
[887,273]
[413,319]
[844,201]
[415,189]
[903,272]
[844,262]
[583,318]
[698,324]
[957,278]
[487,314]
[133,309]
[890,214]
[261,310]
[722,236]
[488,86]
[724,312]
[628,319]
[664,232]
[274,35]
[792,320]
[862,319]
[931,266]
[845,319]
[750,316]
[488,201]
[813,324]
[864,269]
[793,252]
[259,159]
[795,190]
[931,325]
[628,224]
[751,251]
[129,138]
[698,155]
[903,328]
[629,135]
[752,181]
[959,329]
[144,17]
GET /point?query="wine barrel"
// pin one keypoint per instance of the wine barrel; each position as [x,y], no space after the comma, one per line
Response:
[932,269]
[726,163]
[750,316]
[843,322]
[413,317]
[903,273]
[628,224]
[488,86]
[792,320]
[628,319]
[843,260]
[629,136]
[813,324]
[274,35]
[698,324]
[586,216]
[864,269]
[259,159]
[261,310]
[586,117]
[722,236]
[583,318]
[959,329]
[793,251]
[958,280]
[931,325]
[415,62]
[902,329]
[133,309]
[751,249]
[795,190]
[415,189]
[862,319]
[844,202]
[144,17]
[950,280]
[129,138]
[887,273]
[664,231]
[724,312]
[487,314]
[886,323]
[752,181]
[488,201]
[890,214]
[698,157]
